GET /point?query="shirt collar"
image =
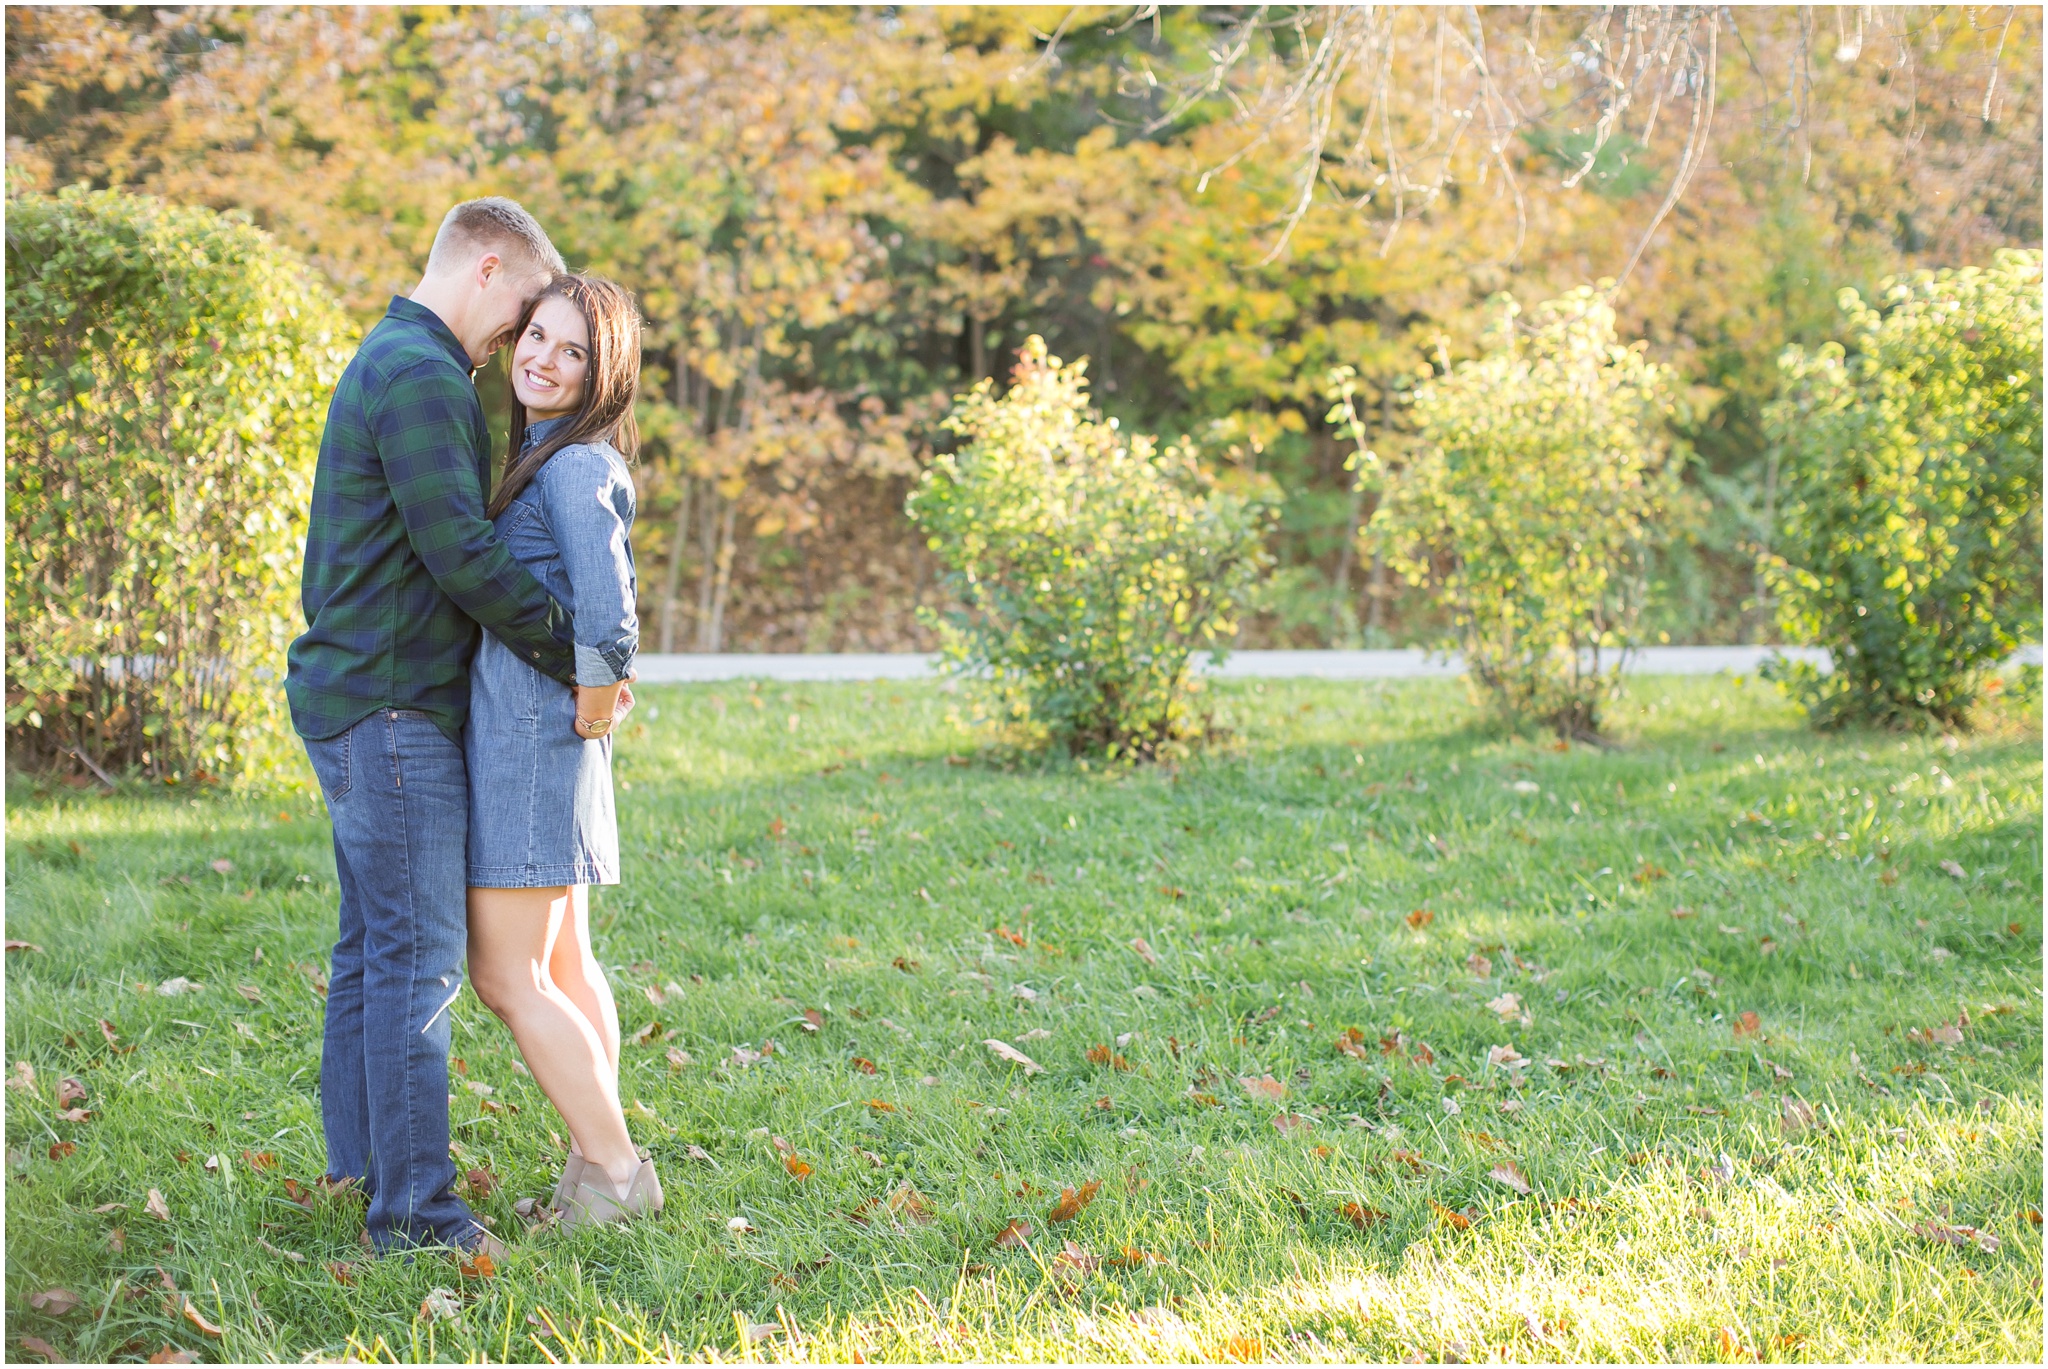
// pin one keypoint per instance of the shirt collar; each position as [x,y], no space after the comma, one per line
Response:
[419,314]
[538,432]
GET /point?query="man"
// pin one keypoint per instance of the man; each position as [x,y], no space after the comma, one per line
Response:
[401,568]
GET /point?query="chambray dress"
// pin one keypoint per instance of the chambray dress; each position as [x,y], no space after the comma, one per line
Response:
[540,797]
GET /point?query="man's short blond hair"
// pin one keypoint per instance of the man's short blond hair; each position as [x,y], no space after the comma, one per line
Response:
[494,224]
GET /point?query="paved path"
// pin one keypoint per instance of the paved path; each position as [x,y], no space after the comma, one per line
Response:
[1270,665]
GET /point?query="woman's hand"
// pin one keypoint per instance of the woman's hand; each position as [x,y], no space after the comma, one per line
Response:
[597,709]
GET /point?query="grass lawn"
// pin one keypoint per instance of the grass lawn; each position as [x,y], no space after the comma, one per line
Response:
[1384,1035]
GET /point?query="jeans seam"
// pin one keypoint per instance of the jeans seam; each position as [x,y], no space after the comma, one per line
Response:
[412,981]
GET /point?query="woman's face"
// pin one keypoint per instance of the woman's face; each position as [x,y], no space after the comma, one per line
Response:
[551,359]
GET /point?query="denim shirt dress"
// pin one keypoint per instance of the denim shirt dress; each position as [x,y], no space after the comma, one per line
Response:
[540,797]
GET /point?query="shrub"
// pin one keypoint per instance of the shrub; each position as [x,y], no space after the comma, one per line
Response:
[167,373]
[1540,477]
[1910,542]
[1089,566]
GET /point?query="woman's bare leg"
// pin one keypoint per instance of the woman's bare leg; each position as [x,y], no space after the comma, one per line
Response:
[575,970]
[511,937]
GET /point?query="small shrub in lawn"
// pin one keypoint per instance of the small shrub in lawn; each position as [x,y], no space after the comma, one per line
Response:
[167,374]
[1090,564]
[1542,473]
[1910,543]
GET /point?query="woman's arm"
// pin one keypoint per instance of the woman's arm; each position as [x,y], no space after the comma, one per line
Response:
[590,511]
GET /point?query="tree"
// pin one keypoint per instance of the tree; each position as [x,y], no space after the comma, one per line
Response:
[1540,477]
[1089,566]
[167,373]
[1911,534]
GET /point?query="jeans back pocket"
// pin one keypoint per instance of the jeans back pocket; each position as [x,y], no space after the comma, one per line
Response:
[330,757]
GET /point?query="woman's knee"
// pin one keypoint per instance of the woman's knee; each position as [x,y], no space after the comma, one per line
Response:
[502,985]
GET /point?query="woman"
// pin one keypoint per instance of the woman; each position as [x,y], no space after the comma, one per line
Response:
[542,828]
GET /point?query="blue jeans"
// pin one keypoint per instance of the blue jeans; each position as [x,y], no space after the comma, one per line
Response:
[398,793]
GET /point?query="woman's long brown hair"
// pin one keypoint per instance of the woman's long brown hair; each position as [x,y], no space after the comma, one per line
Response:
[610,383]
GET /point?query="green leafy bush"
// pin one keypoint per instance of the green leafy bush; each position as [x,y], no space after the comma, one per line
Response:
[1910,542]
[167,374]
[1540,477]
[1089,566]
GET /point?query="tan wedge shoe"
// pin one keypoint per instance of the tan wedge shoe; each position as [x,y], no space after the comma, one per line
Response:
[595,1200]
[565,1187]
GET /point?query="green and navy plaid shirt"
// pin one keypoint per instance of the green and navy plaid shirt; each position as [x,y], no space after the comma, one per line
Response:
[401,564]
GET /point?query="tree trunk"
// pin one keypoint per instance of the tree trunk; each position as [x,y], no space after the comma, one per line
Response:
[673,583]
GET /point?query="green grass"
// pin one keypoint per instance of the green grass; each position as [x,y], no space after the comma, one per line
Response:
[835,847]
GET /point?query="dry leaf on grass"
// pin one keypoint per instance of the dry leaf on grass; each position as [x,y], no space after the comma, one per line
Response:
[440,1304]
[156,1207]
[813,1019]
[192,1314]
[69,1092]
[1005,1051]
[172,1355]
[1145,951]
[1075,1258]
[1478,966]
[1015,1235]
[647,1033]
[1506,1006]
[54,1302]
[908,1202]
[1073,1201]
[36,1345]
[1240,1350]
[1265,1087]
[864,1065]
[1360,1215]
[1287,1123]
[1960,1236]
[1451,1217]
[1352,1043]
[477,1265]
[679,1059]
[1795,1117]
[1953,870]
[1747,1024]
[291,1256]
[1102,1055]
[63,1150]
[1508,1174]
[1420,918]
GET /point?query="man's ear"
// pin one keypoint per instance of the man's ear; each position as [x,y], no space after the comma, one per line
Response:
[487,266]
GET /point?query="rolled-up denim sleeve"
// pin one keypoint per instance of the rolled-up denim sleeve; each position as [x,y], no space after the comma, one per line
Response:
[590,510]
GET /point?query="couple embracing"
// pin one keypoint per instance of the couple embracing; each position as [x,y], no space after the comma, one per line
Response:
[469,643]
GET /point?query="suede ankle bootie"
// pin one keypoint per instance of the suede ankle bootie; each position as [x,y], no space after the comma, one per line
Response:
[565,1187]
[596,1200]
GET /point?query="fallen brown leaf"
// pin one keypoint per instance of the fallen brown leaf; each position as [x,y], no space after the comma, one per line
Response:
[172,1355]
[647,1033]
[1073,1201]
[156,1207]
[1005,1051]
[343,1274]
[1795,1117]
[36,1345]
[1102,1055]
[1361,1216]
[1420,918]
[54,1302]
[291,1256]
[864,1065]
[1506,1173]
[63,1150]
[907,1201]
[1145,951]
[1287,1123]
[1747,1024]
[1016,1234]
[1451,1217]
[199,1322]
[1265,1087]
[813,1019]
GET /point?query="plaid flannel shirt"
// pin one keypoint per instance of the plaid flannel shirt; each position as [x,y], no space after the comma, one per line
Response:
[401,564]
